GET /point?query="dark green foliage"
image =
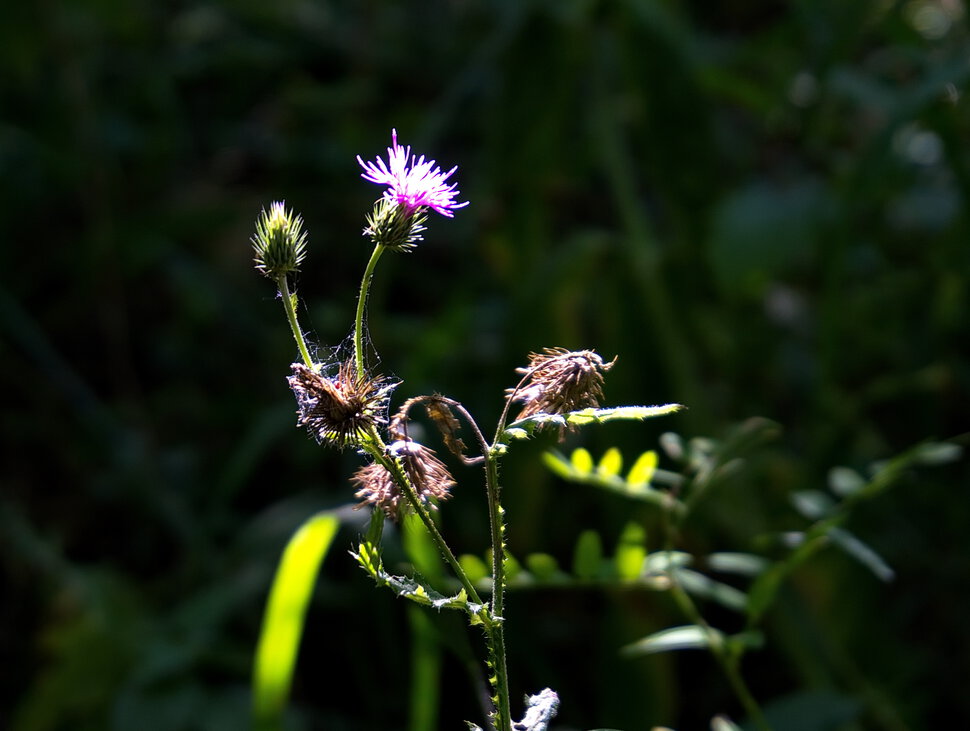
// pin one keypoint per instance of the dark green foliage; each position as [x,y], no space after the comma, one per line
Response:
[760,207]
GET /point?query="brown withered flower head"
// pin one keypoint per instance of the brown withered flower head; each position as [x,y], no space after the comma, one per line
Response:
[339,410]
[559,380]
[426,473]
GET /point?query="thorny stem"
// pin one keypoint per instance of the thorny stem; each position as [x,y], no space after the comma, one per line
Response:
[361,305]
[493,620]
[508,405]
[375,446]
[291,317]
[495,629]
[496,514]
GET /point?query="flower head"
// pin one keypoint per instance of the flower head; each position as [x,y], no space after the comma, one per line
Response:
[427,474]
[280,241]
[394,227]
[339,410]
[559,380]
[412,182]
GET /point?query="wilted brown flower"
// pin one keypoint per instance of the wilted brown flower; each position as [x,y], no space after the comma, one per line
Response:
[339,410]
[426,473]
[559,380]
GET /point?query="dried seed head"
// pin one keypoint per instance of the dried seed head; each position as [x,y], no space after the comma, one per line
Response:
[340,410]
[439,412]
[559,380]
[427,474]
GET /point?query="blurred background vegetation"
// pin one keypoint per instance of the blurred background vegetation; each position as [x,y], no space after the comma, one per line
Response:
[760,206]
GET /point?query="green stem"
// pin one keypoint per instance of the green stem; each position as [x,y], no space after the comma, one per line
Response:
[376,449]
[496,635]
[361,305]
[291,316]
[729,662]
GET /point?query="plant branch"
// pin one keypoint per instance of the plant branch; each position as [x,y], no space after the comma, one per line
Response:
[290,309]
[361,305]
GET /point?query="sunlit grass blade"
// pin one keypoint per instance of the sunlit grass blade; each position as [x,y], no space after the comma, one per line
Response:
[282,628]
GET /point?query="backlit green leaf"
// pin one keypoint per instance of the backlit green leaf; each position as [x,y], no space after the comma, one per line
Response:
[611,463]
[473,566]
[689,637]
[844,481]
[588,555]
[582,461]
[283,621]
[544,567]
[862,553]
[630,551]
[642,471]
[743,564]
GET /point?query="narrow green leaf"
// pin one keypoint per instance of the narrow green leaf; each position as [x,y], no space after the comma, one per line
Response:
[631,413]
[558,464]
[660,562]
[688,637]
[283,621]
[862,553]
[703,586]
[544,567]
[673,445]
[588,555]
[742,564]
[524,428]
[582,461]
[631,550]
[751,639]
[425,674]
[844,481]
[611,463]
[420,548]
[812,504]
[642,471]
[937,453]
[723,723]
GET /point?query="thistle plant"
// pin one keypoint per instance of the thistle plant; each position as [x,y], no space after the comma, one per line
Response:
[346,405]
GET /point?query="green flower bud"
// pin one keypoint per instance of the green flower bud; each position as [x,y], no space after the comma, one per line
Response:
[279,242]
[394,226]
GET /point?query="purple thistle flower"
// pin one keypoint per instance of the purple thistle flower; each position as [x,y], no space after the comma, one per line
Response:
[412,182]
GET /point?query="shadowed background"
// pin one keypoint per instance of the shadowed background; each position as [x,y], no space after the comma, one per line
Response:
[760,206]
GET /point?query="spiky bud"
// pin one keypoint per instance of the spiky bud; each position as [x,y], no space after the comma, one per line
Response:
[394,226]
[279,243]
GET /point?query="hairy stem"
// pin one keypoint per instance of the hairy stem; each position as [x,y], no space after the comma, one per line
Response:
[361,305]
[508,405]
[391,465]
[291,317]
[497,633]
